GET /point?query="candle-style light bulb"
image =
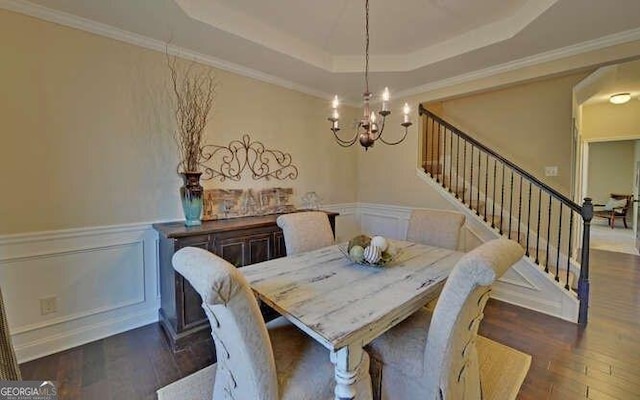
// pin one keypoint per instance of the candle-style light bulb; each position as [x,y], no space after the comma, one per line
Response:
[335,103]
[406,111]
[385,99]
[335,114]
[372,118]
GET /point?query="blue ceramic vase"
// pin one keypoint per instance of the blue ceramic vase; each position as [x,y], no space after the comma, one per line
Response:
[191,196]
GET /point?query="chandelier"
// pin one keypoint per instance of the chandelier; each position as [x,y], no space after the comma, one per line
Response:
[368,130]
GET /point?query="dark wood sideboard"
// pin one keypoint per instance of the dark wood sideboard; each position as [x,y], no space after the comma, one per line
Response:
[241,241]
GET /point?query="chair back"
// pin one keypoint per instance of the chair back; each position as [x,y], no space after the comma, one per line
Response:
[305,231]
[9,370]
[628,197]
[451,360]
[439,228]
[246,366]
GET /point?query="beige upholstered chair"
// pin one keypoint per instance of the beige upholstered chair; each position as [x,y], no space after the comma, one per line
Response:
[254,360]
[305,231]
[439,228]
[433,356]
[9,370]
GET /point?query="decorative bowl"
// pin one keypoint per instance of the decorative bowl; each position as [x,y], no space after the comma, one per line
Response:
[367,255]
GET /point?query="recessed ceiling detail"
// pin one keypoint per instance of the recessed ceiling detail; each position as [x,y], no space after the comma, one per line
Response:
[316,47]
[327,34]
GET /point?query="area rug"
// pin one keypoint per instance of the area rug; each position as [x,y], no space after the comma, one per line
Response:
[619,240]
[197,386]
[502,369]
[502,372]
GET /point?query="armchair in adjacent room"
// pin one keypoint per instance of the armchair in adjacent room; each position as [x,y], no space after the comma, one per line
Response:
[617,207]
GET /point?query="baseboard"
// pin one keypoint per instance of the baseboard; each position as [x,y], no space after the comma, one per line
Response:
[45,344]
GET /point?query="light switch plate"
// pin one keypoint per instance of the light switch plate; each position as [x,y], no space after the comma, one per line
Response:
[551,171]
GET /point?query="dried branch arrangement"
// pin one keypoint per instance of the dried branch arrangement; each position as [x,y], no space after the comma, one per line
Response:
[194,87]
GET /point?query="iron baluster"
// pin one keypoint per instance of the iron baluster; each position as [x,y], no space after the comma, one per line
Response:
[510,204]
[450,157]
[569,249]
[438,154]
[494,200]
[457,163]
[478,186]
[433,130]
[558,251]
[546,267]
[464,172]
[471,180]
[519,207]
[502,199]
[486,185]
[538,229]
[528,220]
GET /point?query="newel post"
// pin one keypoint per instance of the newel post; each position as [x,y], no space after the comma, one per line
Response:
[583,282]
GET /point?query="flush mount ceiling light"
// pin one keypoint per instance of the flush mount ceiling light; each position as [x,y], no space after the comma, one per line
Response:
[620,98]
[368,130]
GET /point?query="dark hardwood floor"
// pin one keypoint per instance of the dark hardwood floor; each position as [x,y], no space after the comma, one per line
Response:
[601,361]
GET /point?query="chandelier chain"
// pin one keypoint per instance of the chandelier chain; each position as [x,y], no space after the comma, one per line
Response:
[366,50]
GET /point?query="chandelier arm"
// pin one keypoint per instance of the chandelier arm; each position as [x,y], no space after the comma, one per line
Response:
[345,143]
[406,130]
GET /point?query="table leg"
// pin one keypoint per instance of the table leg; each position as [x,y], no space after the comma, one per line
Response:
[352,380]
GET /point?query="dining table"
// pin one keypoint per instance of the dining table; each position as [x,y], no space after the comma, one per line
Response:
[344,305]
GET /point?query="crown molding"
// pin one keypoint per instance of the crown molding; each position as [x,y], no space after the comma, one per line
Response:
[87,25]
[541,58]
[98,28]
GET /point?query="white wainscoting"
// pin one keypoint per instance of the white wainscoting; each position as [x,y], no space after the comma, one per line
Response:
[104,279]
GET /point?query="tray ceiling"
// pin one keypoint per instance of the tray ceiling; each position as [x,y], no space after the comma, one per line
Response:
[318,46]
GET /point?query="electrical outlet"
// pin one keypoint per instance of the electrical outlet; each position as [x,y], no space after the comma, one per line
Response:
[48,305]
[550,171]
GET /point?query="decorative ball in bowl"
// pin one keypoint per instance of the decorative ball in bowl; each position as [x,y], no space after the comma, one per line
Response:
[365,250]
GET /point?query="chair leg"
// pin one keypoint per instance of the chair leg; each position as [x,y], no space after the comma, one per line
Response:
[625,223]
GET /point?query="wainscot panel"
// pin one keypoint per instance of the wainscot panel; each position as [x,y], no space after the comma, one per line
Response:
[102,281]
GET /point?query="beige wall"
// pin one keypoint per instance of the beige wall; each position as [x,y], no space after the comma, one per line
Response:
[529,124]
[611,121]
[87,131]
[611,169]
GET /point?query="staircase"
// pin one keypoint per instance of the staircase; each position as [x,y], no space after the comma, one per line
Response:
[502,199]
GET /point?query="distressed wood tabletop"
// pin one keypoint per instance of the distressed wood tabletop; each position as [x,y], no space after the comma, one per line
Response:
[341,303]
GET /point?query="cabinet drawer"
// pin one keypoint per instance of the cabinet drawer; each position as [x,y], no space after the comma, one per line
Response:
[201,241]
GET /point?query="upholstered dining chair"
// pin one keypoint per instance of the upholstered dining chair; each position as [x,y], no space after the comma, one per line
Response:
[439,228]
[305,231]
[9,370]
[254,360]
[433,356]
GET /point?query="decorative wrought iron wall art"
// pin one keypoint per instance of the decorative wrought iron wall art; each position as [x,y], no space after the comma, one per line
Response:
[230,162]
